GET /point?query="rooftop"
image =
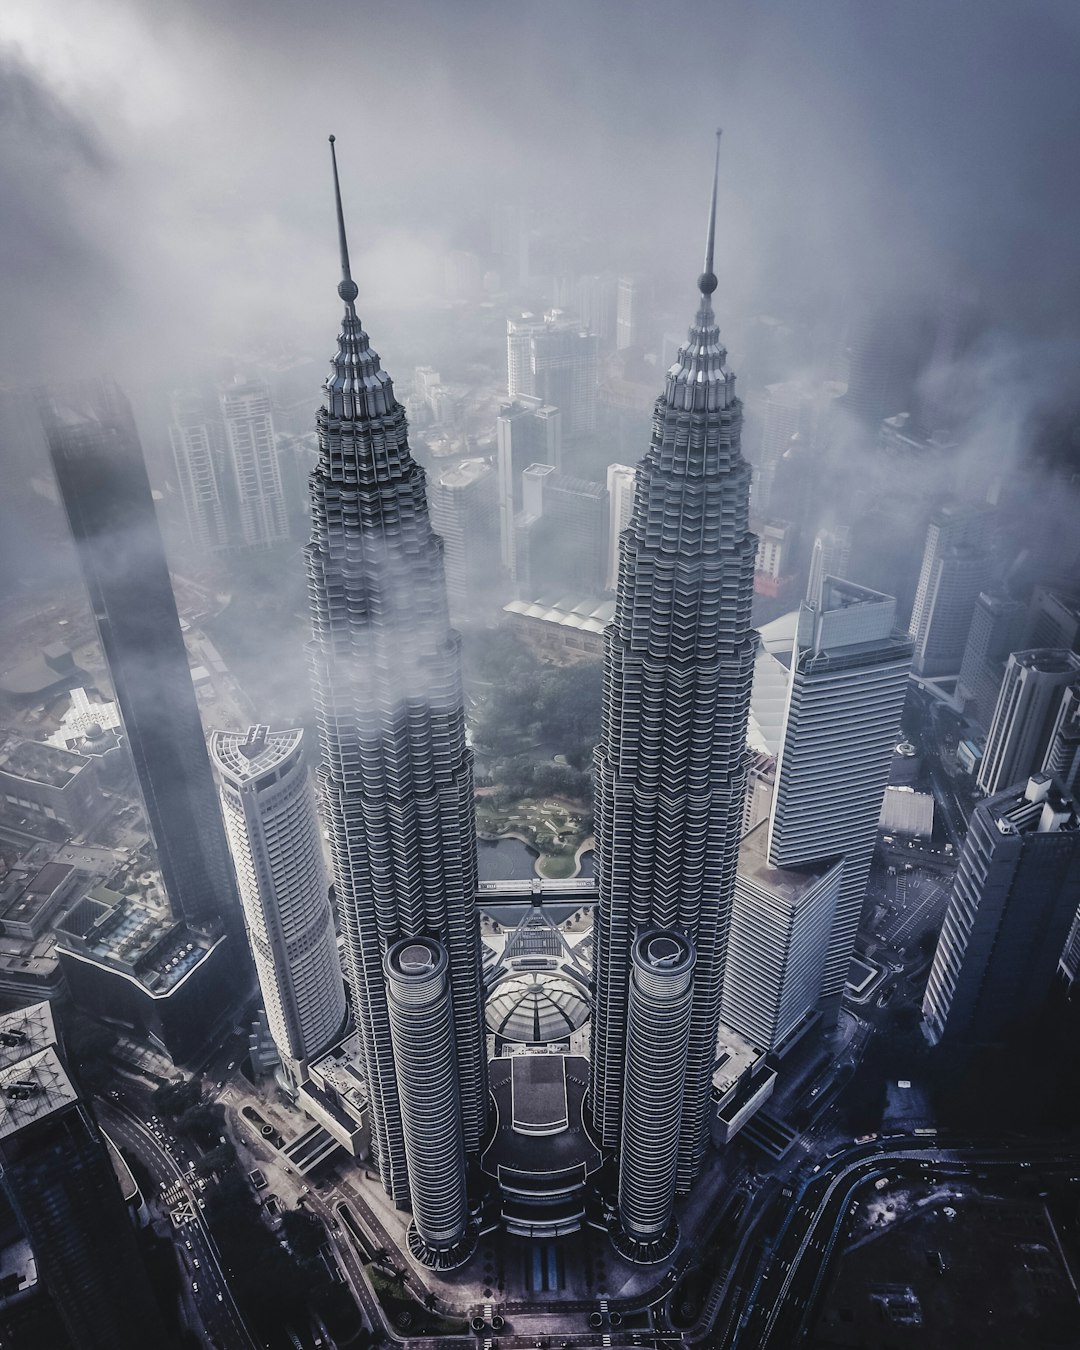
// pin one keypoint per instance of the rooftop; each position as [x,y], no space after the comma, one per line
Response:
[247,755]
[41,763]
[25,1031]
[787,883]
[31,1089]
[465,473]
[540,1126]
[734,1056]
[570,611]
[341,1069]
[22,896]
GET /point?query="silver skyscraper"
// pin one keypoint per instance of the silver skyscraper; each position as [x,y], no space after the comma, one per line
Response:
[396,774]
[671,763]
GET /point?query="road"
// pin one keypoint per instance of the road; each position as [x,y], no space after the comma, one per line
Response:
[769,1295]
[217,1310]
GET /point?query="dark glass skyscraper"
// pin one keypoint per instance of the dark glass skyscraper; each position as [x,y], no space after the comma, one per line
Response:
[56,1174]
[396,773]
[102,478]
[671,763]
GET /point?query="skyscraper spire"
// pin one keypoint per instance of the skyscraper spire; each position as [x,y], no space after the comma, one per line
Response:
[396,781]
[707,280]
[347,288]
[671,769]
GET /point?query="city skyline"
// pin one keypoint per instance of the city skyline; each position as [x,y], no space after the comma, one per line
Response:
[637,761]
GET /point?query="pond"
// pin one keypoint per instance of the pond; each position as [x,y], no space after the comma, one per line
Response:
[587,864]
[505,860]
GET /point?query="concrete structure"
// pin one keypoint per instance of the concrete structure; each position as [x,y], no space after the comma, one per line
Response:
[562,627]
[261,519]
[1026,715]
[620,489]
[671,765]
[41,784]
[464,508]
[29,901]
[781,923]
[555,360]
[56,1175]
[848,680]
[527,431]
[396,772]
[995,632]
[102,478]
[273,834]
[1016,893]
[955,570]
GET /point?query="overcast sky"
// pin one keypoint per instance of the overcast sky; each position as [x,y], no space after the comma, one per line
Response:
[164,184]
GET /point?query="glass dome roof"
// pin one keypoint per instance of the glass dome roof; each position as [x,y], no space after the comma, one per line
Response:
[536,1007]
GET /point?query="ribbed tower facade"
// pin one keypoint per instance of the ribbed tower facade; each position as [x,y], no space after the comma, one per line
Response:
[273,832]
[396,774]
[671,762]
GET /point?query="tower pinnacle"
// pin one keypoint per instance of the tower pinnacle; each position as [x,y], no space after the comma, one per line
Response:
[707,280]
[347,288]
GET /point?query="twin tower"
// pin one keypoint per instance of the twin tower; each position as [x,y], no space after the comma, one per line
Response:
[396,783]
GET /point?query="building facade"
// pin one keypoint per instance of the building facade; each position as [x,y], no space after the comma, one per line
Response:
[556,361]
[396,772]
[261,519]
[1025,716]
[955,569]
[527,431]
[102,478]
[671,762]
[1016,893]
[849,672]
[464,507]
[273,832]
[996,628]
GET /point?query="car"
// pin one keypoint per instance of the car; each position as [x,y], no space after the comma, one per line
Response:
[195,1263]
[188,1245]
[221,1298]
[194,1286]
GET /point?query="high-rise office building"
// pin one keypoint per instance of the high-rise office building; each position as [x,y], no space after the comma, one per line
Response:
[528,431]
[269,811]
[955,569]
[261,517]
[464,507]
[829,557]
[563,527]
[781,924]
[849,672]
[196,437]
[1016,892]
[555,360]
[56,1174]
[1025,716]
[995,632]
[632,313]
[1053,620]
[102,479]
[1062,758]
[396,771]
[671,762]
[620,487]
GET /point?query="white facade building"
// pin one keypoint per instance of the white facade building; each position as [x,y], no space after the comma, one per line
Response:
[273,833]
[781,923]
[261,518]
[849,674]
[620,486]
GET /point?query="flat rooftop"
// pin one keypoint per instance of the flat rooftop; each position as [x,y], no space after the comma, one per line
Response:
[734,1056]
[21,901]
[465,473]
[787,883]
[41,763]
[342,1069]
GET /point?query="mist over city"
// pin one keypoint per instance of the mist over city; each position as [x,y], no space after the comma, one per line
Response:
[539,674]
